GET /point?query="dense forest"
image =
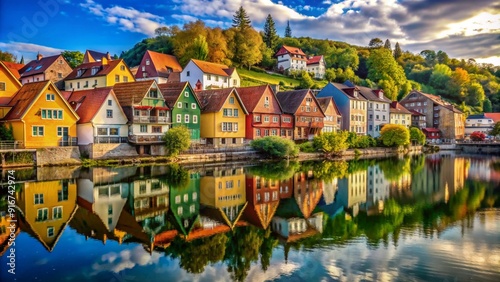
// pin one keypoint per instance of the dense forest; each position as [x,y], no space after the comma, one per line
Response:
[471,86]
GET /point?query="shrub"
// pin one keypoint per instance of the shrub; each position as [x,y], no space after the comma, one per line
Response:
[477,136]
[276,147]
[177,139]
[417,135]
[332,142]
[395,135]
[307,147]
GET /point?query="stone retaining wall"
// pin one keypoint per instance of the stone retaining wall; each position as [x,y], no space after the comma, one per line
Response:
[58,156]
[108,151]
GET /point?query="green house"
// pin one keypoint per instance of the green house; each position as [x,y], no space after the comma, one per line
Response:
[185,107]
[185,205]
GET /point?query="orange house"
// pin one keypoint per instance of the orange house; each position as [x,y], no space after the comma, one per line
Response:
[41,117]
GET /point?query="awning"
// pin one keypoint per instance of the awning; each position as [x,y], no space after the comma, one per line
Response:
[162,108]
[143,107]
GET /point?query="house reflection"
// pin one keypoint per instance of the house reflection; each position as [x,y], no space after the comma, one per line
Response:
[263,199]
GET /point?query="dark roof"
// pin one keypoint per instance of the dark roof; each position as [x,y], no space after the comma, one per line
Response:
[86,69]
[323,102]
[368,93]
[38,66]
[130,93]
[212,100]
[172,90]
[290,100]
[348,91]
[87,103]
[476,116]
[97,56]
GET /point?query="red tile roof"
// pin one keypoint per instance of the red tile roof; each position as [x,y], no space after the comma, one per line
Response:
[251,95]
[396,107]
[436,99]
[431,129]
[164,62]
[87,103]
[14,68]
[213,68]
[211,101]
[415,113]
[290,50]
[494,116]
[131,93]
[38,66]
[172,90]
[314,60]
[86,69]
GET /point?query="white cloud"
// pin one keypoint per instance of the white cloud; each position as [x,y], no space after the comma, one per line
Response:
[28,49]
[327,2]
[128,19]
[126,259]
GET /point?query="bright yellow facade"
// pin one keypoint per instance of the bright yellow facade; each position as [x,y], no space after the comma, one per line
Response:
[215,125]
[36,127]
[47,207]
[400,118]
[8,83]
[119,73]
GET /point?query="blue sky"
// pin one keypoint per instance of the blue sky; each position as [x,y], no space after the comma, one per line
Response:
[462,28]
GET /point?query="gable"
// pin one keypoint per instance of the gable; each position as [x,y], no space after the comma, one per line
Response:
[9,84]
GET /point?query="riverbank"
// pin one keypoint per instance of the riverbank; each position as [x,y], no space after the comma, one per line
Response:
[53,158]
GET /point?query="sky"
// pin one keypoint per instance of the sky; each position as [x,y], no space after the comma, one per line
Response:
[462,28]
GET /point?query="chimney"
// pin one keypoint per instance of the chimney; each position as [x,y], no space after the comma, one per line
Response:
[198,86]
[108,56]
[39,56]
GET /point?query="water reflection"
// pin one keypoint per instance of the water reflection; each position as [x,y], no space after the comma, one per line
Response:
[242,217]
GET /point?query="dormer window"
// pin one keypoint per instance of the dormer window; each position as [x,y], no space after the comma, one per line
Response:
[153,93]
[38,67]
[79,73]
[94,70]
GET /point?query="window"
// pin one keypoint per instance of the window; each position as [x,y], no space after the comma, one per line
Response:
[42,214]
[266,118]
[57,212]
[38,199]
[193,106]
[61,130]
[156,129]
[122,68]
[178,118]
[143,68]
[110,102]
[235,112]
[195,196]
[209,77]
[195,119]
[186,118]
[231,100]
[275,119]
[109,113]
[178,199]
[50,97]
[37,131]
[147,62]
[117,78]
[125,78]
[257,132]
[78,73]
[50,231]
[179,105]
[257,118]
[113,131]
[227,112]
[188,73]
[144,128]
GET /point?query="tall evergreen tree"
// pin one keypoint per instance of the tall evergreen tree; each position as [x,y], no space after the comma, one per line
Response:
[241,20]
[288,30]
[270,35]
[397,51]
[387,44]
[22,60]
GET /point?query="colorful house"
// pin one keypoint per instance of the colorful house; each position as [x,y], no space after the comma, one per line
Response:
[94,56]
[9,80]
[399,114]
[480,123]
[206,75]
[263,200]
[185,205]
[306,111]
[333,118]
[184,105]
[98,74]
[351,104]
[41,117]
[317,66]
[54,68]
[148,114]
[102,119]
[46,209]
[291,58]
[223,194]
[265,116]
[222,117]
[418,119]
[157,66]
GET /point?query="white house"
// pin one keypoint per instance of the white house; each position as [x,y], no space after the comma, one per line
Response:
[316,65]
[480,123]
[102,119]
[291,58]
[204,75]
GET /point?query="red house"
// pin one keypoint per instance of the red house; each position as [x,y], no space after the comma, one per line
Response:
[265,114]
[263,200]
[306,111]
[432,134]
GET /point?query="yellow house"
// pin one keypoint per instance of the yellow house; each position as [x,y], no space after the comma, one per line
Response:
[399,114]
[41,117]
[97,74]
[223,191]
[46,209]
[222,121]
[9,84]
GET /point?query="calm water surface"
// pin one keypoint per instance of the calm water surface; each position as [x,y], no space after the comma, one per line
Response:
[427,218]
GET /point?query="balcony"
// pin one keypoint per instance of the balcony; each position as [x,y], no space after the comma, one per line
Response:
[68,141]
[145,139]
[110,139]
[151,119]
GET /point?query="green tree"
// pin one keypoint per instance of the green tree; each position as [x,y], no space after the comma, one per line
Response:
[306,81]
[275,147]
[177,140]
[475,95]
[387,45]
[288,30]
[416,135]
[330,75]
[217,46]
[397,51]
[430,57]
[384,70]
[440,78]
[442,57]
[345,58]
[199,49]
[7,57]
[270,35]
[496,129]
[22,60]
[6,133]
[245,46]
[457,88]
[241,20]
[395,135]
[332,143]
[376,43]
[487,107]
[74,58]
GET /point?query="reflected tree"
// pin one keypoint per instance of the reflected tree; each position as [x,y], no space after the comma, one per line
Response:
[242,249]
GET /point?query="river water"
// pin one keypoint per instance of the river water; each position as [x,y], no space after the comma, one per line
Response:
[425,218]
